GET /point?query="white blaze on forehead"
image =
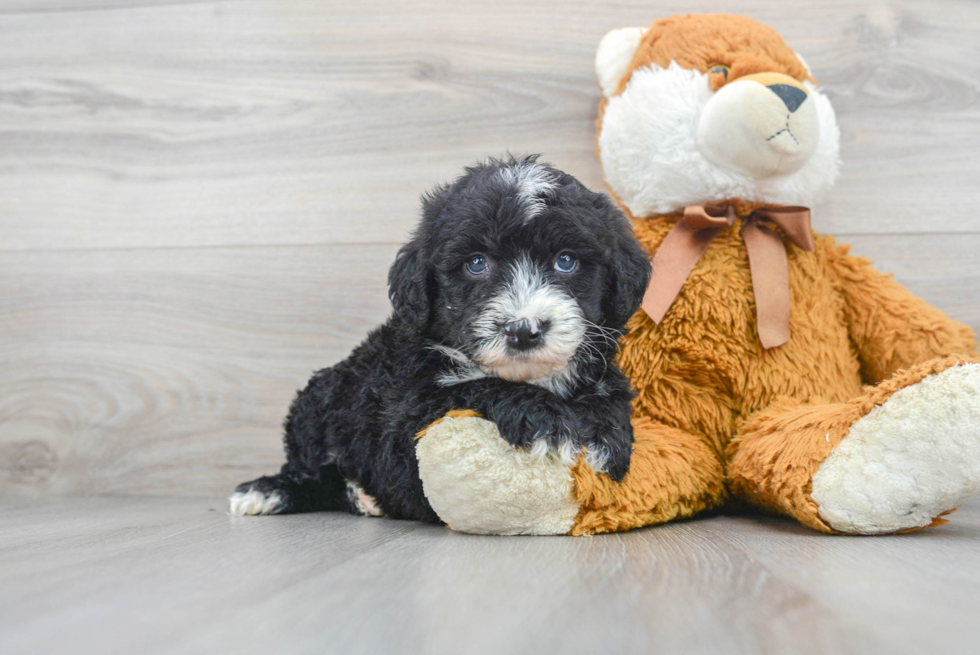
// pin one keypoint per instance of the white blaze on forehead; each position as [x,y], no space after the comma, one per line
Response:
[530,182]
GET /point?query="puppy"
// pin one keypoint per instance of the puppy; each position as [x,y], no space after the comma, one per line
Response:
[508,300]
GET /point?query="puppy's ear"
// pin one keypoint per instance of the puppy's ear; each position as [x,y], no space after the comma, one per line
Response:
[408,285]
[628,267]
[410,277]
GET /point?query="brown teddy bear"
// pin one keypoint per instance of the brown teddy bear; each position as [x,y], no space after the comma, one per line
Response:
[772,367]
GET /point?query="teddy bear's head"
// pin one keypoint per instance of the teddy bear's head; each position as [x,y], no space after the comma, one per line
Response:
[706,108]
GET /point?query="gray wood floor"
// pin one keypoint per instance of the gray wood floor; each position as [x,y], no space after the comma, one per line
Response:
[152,575]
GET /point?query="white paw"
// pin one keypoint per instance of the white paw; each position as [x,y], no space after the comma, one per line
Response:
[248,503]
[908,460]
[567,453]
[477,482]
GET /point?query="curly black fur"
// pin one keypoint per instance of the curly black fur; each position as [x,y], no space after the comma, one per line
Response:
[355,421]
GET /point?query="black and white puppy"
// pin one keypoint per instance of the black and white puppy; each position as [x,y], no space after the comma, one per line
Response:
[508,300]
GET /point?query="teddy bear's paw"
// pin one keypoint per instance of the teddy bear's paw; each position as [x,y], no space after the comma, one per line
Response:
[908,460]
[476,482]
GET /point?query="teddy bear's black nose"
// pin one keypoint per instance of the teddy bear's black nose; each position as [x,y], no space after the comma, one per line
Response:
[524,334]
[790,95]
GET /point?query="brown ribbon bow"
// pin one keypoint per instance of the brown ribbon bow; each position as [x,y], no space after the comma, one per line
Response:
[689,238]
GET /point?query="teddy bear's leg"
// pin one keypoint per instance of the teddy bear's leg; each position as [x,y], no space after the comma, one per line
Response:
[476,482]
[896,458]
[673,474]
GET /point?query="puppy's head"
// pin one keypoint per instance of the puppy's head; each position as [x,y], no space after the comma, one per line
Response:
[517,270]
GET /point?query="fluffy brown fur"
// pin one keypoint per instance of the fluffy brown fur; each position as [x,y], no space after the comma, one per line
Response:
[703,377]
[702,41]
[672,476]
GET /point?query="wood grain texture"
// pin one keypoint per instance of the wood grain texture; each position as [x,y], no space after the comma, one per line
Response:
[229,123]
[199,200]
[168,371]
[116,575]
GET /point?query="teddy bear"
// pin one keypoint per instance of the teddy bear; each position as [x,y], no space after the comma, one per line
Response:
[773,369]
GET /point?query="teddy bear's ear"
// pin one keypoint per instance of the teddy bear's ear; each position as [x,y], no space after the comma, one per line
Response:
[803,61]
[614,55]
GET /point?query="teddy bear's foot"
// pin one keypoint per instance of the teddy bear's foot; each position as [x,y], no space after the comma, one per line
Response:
[476,482]
[909,460]
[895,458]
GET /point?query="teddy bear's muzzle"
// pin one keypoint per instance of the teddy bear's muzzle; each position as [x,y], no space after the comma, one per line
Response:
[760,125]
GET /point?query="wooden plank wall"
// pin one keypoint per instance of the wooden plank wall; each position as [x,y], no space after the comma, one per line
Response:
[199,200]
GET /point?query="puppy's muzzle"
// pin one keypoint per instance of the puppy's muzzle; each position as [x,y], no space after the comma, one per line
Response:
[524,334]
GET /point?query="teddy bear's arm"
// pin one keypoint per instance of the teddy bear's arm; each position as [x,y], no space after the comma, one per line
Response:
[890,327]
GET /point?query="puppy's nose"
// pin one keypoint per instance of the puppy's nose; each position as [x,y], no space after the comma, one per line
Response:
[790,95]
[524,334]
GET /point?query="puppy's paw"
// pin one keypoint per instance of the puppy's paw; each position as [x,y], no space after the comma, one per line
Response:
[253,502]
[565,452]
[609,447]
[524,427]
[264,495]
[614,462]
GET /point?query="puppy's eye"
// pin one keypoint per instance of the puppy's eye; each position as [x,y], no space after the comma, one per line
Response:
[719,69]
[477,265]
[565,263]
